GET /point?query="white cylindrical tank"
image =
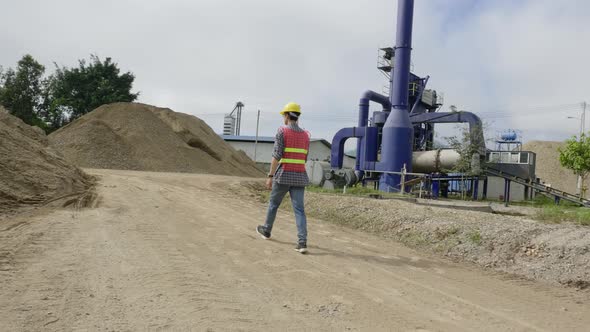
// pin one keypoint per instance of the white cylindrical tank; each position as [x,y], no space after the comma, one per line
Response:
[316,170]
[434,160]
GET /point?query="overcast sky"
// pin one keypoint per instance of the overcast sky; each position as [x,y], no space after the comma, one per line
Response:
[519,64]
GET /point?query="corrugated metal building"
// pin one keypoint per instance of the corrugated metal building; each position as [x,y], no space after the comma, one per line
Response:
[261,152]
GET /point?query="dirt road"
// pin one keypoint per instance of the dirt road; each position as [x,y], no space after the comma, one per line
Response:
[178,251]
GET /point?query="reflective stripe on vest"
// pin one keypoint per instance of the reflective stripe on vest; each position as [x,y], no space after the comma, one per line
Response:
[296,150]
[292,161]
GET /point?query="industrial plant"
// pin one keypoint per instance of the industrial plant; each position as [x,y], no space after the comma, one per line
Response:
[119,215]
[395,149]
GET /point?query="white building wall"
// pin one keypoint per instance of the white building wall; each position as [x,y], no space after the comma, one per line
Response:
[263,150]
[496,189]
[317,151]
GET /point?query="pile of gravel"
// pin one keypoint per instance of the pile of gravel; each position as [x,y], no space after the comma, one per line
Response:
[548,168]
[30,171]
[516,245]
[133,136]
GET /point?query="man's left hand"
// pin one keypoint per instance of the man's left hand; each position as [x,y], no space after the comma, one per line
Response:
[269,183]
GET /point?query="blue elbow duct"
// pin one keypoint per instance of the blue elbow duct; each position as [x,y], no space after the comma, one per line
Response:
[475,125]
[359,132]
[337,156]
[367,154]
[367,97]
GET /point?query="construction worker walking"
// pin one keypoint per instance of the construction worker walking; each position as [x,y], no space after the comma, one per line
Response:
[287,174]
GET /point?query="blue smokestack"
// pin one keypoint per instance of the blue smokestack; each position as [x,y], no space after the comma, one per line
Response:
[398,132]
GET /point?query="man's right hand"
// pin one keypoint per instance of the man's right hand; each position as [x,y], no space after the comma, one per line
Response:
[269,183]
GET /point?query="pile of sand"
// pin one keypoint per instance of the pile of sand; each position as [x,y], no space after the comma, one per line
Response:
[30,171]
[548,168]
[133,136]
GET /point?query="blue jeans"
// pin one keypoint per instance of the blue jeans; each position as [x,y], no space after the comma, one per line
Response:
[276,197]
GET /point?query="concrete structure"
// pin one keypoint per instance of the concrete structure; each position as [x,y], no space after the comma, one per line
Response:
[319,149]
[516,163]
[495,190]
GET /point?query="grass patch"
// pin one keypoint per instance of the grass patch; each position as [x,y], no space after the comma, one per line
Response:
[357,190]
[557,214]
[541,201]
[475,237]
[442,234]
[413,239]
[583,216]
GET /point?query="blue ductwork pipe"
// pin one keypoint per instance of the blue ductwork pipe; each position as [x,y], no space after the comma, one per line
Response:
[475,125]
[366,155]
[367,97]
[359,132]
[398,132]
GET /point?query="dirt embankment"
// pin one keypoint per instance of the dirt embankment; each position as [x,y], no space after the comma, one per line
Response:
[548,167]
[133,136]
[30,171]
[558,254]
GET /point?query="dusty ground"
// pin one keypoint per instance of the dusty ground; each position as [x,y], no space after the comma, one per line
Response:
[170,251]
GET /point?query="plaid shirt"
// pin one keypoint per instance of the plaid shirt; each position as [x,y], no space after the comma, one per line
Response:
[281,176]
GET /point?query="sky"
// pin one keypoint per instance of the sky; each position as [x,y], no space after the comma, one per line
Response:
[519,64]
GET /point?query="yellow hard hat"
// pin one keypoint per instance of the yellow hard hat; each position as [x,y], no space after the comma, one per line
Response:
[291,107]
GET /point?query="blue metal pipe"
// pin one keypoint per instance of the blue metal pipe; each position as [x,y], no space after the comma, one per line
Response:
[475,125]
[337,154]
[400,72]
[367,154]
[367,97]
[398,132]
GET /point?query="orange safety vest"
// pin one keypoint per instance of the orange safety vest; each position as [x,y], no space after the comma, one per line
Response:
[296,148]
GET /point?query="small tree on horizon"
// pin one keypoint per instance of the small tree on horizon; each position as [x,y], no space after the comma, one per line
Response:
[576,157]
[53,101]
[74,92]
[21,88]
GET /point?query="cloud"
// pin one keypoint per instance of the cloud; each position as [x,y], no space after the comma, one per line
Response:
[201,57]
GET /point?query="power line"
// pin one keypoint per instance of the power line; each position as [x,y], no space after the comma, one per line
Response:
[491,114]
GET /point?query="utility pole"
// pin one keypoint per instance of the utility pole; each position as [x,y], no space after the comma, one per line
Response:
[256,140]
[584,118]
[582,132]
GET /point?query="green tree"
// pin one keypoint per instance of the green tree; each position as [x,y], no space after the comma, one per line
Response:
[576,156]
[53,114]
[20,90]
[73,92]
[468,142]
